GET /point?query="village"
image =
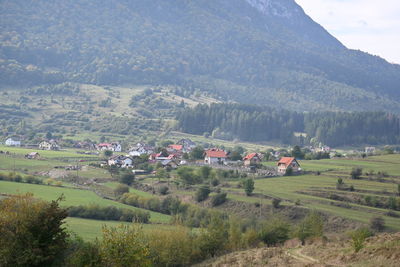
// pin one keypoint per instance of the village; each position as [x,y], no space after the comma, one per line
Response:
[185,152]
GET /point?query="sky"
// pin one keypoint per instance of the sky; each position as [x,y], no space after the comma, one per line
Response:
[372,26]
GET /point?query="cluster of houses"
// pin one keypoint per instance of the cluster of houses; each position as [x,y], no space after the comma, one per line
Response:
[15,141]
[172,156]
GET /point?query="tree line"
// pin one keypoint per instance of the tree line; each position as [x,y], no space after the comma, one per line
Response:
[259,123]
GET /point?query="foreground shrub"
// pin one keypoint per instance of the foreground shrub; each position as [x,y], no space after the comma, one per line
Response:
[202,193]
[358,238]
[31,231]
[124,246]
[275,232]
[311,226]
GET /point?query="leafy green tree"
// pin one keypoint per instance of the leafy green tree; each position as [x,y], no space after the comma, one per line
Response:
[218,199]
[356,173]
[202,193]
[297,153]
[107,153]
[197,153]
[188,176]
[121,189]
[127,178]
[275,232]
[205,172]
[124,246]
[311,226]
[31,231]
[248,185]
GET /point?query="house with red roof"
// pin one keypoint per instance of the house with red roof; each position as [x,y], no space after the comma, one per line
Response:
[215,156]
[285,162]
[252,159]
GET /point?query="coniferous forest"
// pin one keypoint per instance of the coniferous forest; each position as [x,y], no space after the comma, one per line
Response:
[254,123]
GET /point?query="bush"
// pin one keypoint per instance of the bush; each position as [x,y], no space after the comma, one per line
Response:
[202,193]
[377,224]
[248,185]
[356,173]
[97,212]
[126,178]
[163,190]
[275,232]
[276,203]
[218,199]
[215,182]
[358,238]
[121,189]
[32,231]
[311,226]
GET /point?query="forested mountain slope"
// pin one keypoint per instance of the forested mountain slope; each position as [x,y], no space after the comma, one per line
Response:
[249,51]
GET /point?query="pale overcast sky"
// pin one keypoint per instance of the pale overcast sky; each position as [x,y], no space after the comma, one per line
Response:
[372,26]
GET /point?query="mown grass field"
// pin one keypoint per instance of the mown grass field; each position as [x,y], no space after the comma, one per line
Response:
[290,187]
[91,229]
[73,197]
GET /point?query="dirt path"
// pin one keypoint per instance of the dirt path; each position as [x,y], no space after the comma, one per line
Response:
[297,254]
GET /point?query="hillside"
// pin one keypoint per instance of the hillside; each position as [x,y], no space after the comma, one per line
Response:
[250,51]
[380,250]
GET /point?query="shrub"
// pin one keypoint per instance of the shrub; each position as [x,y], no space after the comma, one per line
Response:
[218,199]
[214,182]
[356,173]
[32,232]
[126,178]
[358,238]
[202,193]
[121,189]
[276,203]
[275,232]
[163,190]
[248,185]
[311,226]
[377,224]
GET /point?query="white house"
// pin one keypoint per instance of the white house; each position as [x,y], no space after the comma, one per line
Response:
[215,156]
[49,145]
[120,161]
[12,141]
[140,149]
[115,147]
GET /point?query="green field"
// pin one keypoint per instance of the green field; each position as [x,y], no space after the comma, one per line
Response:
[91,229]
[73,197]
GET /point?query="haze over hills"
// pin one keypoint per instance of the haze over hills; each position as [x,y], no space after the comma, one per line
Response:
[265,52]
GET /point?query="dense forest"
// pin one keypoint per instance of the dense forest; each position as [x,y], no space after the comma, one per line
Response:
[254,123]
[230,48]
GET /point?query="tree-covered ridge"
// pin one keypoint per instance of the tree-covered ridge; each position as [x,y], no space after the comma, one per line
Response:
[252,123]
[211,45]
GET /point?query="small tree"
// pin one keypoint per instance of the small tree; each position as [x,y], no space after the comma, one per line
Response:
[377,224]
[127,178]
[121,189]
[275,232]
[248,186]
[197,153]
[311,226]
[356,173]
[339,183]
[358,238]
[202,193]
[276,203]
[107,153]
[163,190]
[218,199]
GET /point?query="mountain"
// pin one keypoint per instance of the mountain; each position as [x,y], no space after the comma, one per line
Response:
[266,52]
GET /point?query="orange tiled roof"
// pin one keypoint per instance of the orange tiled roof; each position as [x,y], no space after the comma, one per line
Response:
[216,153]
[286,160]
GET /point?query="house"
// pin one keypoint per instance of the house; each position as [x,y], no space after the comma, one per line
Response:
[120,161]
[49,145]
[13,141]
[285,162]
[370,150]
[168,163]
[215,156]
[115,147]
[187,144]
[252,159]
[175,148]
[140,149]
[85,145]
[32,155]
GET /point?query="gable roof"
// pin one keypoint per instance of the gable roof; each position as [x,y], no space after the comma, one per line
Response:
[251,156]
[216,153]
[287,161]
[176,147]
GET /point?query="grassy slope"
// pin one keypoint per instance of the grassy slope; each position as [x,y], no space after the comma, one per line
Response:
[73,197]
[288,187]
[91,229]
